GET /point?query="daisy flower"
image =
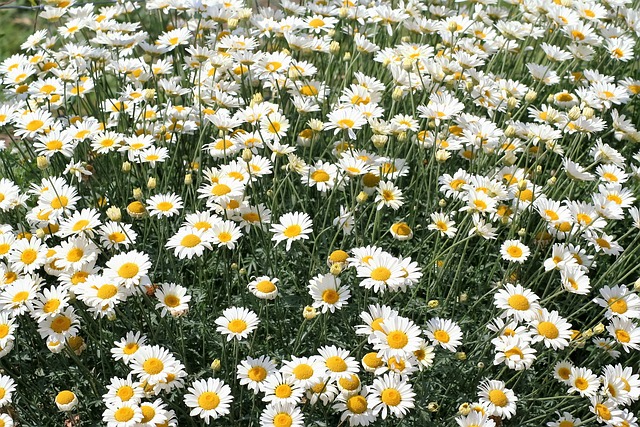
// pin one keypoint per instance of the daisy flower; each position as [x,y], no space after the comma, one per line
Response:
[128,347]
[278,387]
[80,222]
[306,371]
[518,302]
[209,399]
[189,241]
[551,329]
[444,332]
[514,351]
[117,234]
[125,414]
[399,337]
[327,293]
[172,299]
[27,255]
[264,287]
[129,269]
[356,408]
[253,372]
[499,400]
[280,414]
[373,320]
[625,332]
[65,400]
[293,226]
[391,395]
[153,413]
[583,381]
[122,390]
[225,234]
[345,119]
[7,387]
[381,272]
[164,205]
[237,322]
[443,224]
[389,195]
[152,364]
[606,411]
[514,251]
[338,362]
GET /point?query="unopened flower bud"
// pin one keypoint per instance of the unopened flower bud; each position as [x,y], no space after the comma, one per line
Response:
[336,268]
[480,365]
[587,334]
[550,99]
[442,156]
[552,180]
[242,271]
[598,329]
[452,27]
[407,64]
[362,197]
[114,214]
[588,112]
[137,193]
[346,57]
[257,98]
[42,162]
[636,285]
[574,113]
[397,94]
[442,203]
[234,266]
[379,140]
[433,407]
[463,297]
[461,355]
[531,96]
[342,13]
[522,232]
[512,103]
[464,409]
[510,132]
[40,233]
[434,303]
[334,47]
[216,365]
[151,183]
[309,312]
[247,155]
[522,184]
[188,179]
[232,23]
[126,167]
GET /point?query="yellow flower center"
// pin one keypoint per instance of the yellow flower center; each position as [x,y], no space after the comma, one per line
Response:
[224,237]
[514,251]
[357,404]
[548,330]
[171,301]
[128,270]
[208,400]
[237,326]
[498,398]
[282,420]
[65,397]
[603,412]
[164,206]
[518,302]
[125,393]
[75,255]
[391,397]
[28,256]
[283,391]
[622,336]
[397,339]
[618,305]
[303,371]
[345,123]
[330,296]
[124,414]
[153,366]
[292,231]
[257,374]
[59,202]
[61,324]
[117,237]
[515,351]
[4,330]
[381,274]
[80,225]
[130,348]
[107,291]
[265,286]
[51,305]
[190,240]
[442,336]
[34,125]
[147,413]
[349,383]
[320,176]
[372,360]
[581,383]
[336,364]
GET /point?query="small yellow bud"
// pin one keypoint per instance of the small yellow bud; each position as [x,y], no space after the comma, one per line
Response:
[234,266]
[434,303]
[531,96]
[407,64]
[598,329]
[379,141]
[334,47]
[247,155]
[464,409]
[257,98]
[42,162]
[151,183]
[461,355]
[336,268]
[216,365]
[442,203]
[346,57]
[114,214]
[480,365]
[442,156]
[126,167]
[362,197]
[522,232]
[552,180]
[574,113]
[433,407]
[512,103]
[40,233]
[137,193]
[397,94]
[309,312]
[588,112]
[463,297]
[242,271]
[188,179]
[232,23]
